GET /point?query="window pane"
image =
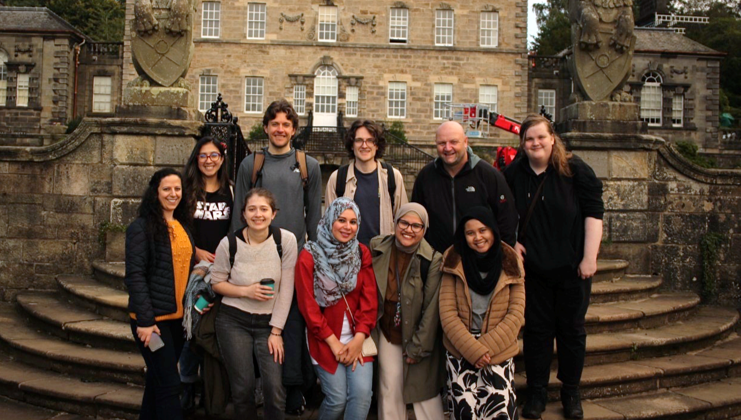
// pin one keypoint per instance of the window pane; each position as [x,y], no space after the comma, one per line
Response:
[22,90]
[651,103]
[325,90]
[328,23]
[488,96]
[489,29]
[253,93]
[299,99]
[398,25]
[3,77]
[444,27]
[101,94]
[351,103]
[547,98]
[443,99]
[208,91]
[210,19]
[397,100]
[678,110]
[256,16]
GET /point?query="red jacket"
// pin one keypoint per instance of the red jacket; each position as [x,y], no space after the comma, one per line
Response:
[323,322]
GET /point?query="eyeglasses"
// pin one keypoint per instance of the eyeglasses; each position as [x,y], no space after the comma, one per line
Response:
[214,156]
[369,142]
[416,227]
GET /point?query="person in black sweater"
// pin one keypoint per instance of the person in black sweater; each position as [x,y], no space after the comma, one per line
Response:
[559,200]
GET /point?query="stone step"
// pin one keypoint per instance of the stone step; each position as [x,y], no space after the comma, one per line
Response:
[652,312]
[58,316]
[110,273]
[628,288]
[56,391]
[610,270]
[49,352]
[102,299]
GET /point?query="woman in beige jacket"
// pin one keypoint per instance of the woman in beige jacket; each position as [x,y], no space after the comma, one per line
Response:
[482,305]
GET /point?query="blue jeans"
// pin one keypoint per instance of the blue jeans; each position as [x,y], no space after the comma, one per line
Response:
[240,335]
[189,363]
[346,392]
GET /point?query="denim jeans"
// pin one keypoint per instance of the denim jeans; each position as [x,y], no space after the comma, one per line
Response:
[240,335]
[161,400]
[346,392]
[189,364]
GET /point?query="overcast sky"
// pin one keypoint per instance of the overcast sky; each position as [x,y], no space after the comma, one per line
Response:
[532,28]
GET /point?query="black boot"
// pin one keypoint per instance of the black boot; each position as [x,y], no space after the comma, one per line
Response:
[188,398]
[535,404]
[571,401]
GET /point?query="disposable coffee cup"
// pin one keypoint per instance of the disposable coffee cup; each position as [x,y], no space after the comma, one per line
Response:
[268,282]
[202,302]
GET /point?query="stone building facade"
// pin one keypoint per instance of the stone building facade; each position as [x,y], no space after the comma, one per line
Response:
[675,80]
[381,60]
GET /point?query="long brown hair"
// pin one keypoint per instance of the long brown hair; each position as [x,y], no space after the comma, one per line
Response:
[194,187]
[559,156]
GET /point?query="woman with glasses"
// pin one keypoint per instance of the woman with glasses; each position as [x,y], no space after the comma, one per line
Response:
[410,357]
[209,194]
[482,306]
[375,186]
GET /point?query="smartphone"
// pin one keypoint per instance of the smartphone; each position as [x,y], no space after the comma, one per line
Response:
[155,342]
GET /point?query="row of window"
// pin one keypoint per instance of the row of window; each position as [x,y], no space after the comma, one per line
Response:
[326,91]
[328,22]
[652,102]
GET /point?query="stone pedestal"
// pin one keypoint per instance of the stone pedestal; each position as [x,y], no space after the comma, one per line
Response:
[603,117]
[172,103]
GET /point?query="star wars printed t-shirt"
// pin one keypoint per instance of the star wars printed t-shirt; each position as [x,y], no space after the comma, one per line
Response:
[211,220]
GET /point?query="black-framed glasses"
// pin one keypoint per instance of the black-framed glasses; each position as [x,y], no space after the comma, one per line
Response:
[369,142]
[416,227]
[213,155]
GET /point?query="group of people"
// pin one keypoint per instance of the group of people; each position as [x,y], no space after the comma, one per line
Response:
[377,294]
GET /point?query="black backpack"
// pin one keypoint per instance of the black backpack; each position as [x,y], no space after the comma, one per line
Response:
[339,187]
[232,237]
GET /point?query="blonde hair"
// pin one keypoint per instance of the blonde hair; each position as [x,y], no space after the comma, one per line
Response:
[559,156]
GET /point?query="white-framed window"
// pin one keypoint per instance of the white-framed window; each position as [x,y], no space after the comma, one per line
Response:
[21,96]
[253,94]
[399,25]
[397,107]
[102,97]
[651,99]
[488,95]
[299,99]
[3,77]
[325,90]
[547,98]
[489,32]
[210,20]
[327,23]
[442,100]
[256,17]
[678,110]
[208,91]
[444,24]
[351,101]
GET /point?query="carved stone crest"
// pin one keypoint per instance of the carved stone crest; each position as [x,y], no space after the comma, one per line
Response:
[162,39]
[603,44]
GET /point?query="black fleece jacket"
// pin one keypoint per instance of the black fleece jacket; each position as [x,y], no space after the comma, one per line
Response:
[447,198]
[554,239]
[149,278]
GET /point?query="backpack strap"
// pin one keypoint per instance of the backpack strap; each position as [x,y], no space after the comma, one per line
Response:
[232,238]
[275,231]
[303,169]
[339,188]
[424,267]
[257,166]
[391,181]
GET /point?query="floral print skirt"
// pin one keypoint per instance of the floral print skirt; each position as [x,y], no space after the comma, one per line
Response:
[481,394]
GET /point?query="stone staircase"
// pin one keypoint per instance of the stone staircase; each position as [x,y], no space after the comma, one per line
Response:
[651,354]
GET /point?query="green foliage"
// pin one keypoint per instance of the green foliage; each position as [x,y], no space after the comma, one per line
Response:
[257,133]
[688,149]
[710,245]
[554,28]
[395,133]
[106,227]
[72,124]
[102,20]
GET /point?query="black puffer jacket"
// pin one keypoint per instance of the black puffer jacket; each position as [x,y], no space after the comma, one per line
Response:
[149,274]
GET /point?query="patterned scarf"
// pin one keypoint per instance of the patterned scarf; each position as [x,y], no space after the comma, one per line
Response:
[336,265]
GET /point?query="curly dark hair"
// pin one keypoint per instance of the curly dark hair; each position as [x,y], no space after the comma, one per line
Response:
[150,208]
[374,129]
[260,192]
[281,105]
[194,187]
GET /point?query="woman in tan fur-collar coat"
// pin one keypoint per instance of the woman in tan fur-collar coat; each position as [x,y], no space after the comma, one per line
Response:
[482,305]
